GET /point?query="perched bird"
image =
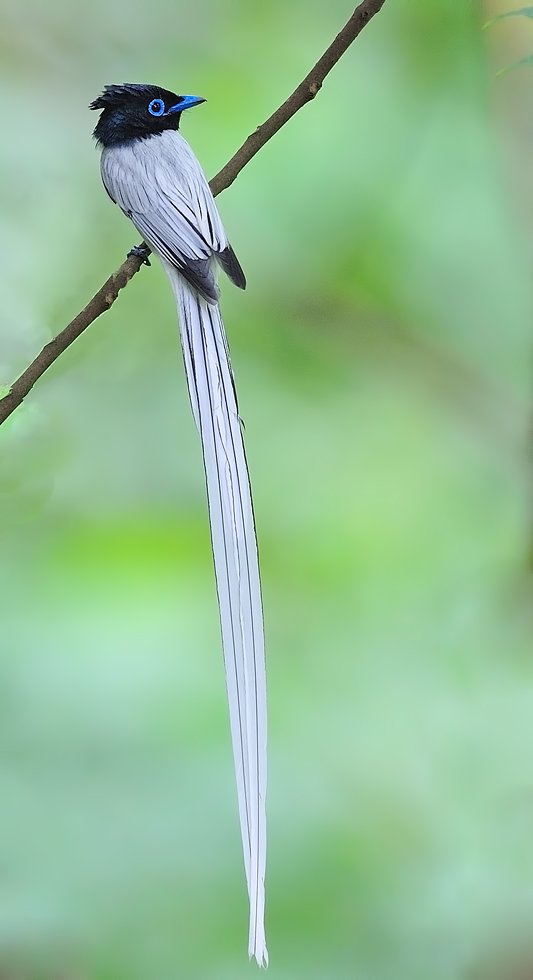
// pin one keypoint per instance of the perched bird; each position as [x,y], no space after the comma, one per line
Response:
[150,171]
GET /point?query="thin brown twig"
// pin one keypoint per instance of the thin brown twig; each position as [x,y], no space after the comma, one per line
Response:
[106,296]
[306,92]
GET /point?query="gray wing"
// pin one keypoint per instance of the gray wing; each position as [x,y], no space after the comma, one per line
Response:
[160,185]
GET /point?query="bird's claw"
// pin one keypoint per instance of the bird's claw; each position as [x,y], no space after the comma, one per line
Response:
[141,252]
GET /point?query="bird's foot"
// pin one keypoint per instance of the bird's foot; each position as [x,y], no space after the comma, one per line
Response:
[141,252]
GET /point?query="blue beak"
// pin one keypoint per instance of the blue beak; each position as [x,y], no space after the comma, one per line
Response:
[187,102]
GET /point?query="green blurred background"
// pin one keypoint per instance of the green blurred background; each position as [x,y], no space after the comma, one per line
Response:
[383,359]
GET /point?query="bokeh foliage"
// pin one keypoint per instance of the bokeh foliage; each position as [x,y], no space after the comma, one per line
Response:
[382,354]
[522,12]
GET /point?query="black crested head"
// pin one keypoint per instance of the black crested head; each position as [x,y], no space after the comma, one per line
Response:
[133,112]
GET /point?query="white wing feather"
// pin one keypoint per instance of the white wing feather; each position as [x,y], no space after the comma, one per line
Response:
[160,185]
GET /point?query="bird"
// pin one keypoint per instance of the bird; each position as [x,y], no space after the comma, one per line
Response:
[149,170]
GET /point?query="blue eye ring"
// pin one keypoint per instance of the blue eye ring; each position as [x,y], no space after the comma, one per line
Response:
[156,107]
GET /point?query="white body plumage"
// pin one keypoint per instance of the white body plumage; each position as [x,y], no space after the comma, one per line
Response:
[160,185]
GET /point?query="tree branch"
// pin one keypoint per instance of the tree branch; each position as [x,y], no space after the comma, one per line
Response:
[106,296]
[306,92]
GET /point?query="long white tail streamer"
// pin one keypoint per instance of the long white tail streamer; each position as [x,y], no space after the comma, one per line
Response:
[214,404]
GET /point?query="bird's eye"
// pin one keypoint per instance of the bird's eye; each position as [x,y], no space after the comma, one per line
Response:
[156,107]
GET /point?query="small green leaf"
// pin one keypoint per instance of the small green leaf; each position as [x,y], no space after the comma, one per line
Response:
[517,64]
[4,390]
[524,12]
